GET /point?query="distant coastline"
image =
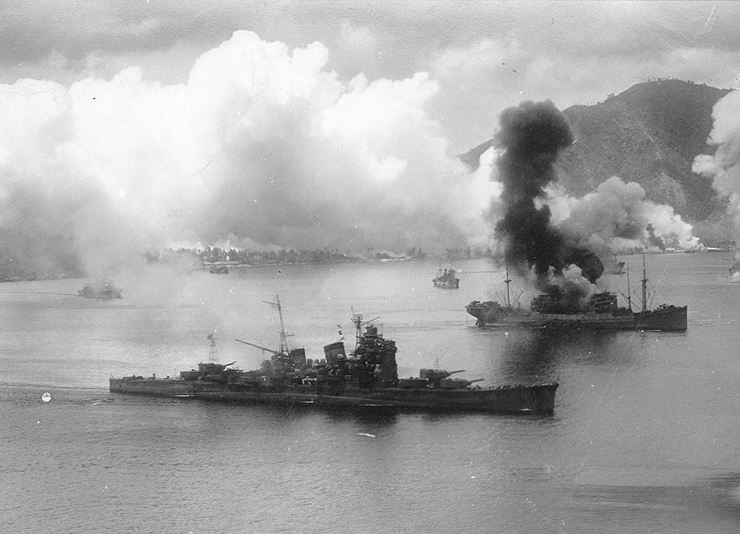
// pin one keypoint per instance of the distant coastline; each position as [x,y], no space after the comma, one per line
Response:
[210,257]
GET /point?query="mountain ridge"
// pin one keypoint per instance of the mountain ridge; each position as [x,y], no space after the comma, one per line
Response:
[649,134]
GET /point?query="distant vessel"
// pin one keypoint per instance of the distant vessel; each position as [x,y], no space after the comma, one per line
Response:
[103,291]
[219,269]
[601,311]
[446,279]
[366,380]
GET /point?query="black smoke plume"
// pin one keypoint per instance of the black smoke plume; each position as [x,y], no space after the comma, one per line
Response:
[532,135]
[652,239]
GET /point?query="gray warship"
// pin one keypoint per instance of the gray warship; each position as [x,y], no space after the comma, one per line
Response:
[365,380]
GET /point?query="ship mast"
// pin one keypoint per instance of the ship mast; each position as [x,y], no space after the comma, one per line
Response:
[359,323]
[644,286]
[283,335]
[629,294]
[357,320]
[212,351]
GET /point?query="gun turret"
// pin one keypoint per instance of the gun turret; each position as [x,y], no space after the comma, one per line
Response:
[457,383]
[437,374]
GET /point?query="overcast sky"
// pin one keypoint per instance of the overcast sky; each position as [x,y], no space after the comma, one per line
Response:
[218,119]
[484,55]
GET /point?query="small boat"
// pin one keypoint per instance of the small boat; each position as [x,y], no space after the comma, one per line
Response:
[219,269]
[103,292]
[446,279]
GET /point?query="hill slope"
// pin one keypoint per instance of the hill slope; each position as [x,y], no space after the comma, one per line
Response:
[648,134]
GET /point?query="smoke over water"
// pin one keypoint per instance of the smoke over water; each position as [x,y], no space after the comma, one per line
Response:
[560,239]
[724,165]
[531,137]
[617,218]
[261,145]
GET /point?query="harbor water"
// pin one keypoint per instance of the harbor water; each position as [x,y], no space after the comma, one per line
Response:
[645,435]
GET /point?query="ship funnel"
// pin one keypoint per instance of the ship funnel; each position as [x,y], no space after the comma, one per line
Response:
[298,358]
[334,351]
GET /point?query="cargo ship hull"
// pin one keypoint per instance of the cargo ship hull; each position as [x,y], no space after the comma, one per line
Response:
[666,318]
[554,309]
[515,399]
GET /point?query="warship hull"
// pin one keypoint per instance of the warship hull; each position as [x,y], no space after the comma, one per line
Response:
[514,399]
[666,318]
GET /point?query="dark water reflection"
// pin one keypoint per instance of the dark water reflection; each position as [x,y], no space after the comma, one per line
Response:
[644,437]
[541,354]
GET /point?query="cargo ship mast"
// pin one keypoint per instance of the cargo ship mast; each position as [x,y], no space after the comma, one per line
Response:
[644,286]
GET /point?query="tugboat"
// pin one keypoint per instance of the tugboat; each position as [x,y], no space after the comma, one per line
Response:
[102,291]
[365,380]
[551,310]
[446,279]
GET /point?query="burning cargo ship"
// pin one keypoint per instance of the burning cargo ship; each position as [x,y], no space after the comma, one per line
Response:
[553,310]
[366,380]
[530,139]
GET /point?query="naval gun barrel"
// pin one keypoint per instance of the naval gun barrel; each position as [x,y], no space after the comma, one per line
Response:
[456,383]
[258,346]
[438,374]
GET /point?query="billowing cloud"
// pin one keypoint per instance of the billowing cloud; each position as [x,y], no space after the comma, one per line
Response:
[485,56]
[617,218]
[724,165]
[261,142]
[551,238]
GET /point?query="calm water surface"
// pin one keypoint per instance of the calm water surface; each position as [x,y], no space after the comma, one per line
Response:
[645,438]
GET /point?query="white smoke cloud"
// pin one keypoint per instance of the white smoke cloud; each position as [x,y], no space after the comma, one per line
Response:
[574,284]
[617,218]
[724,165]
[261,143]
